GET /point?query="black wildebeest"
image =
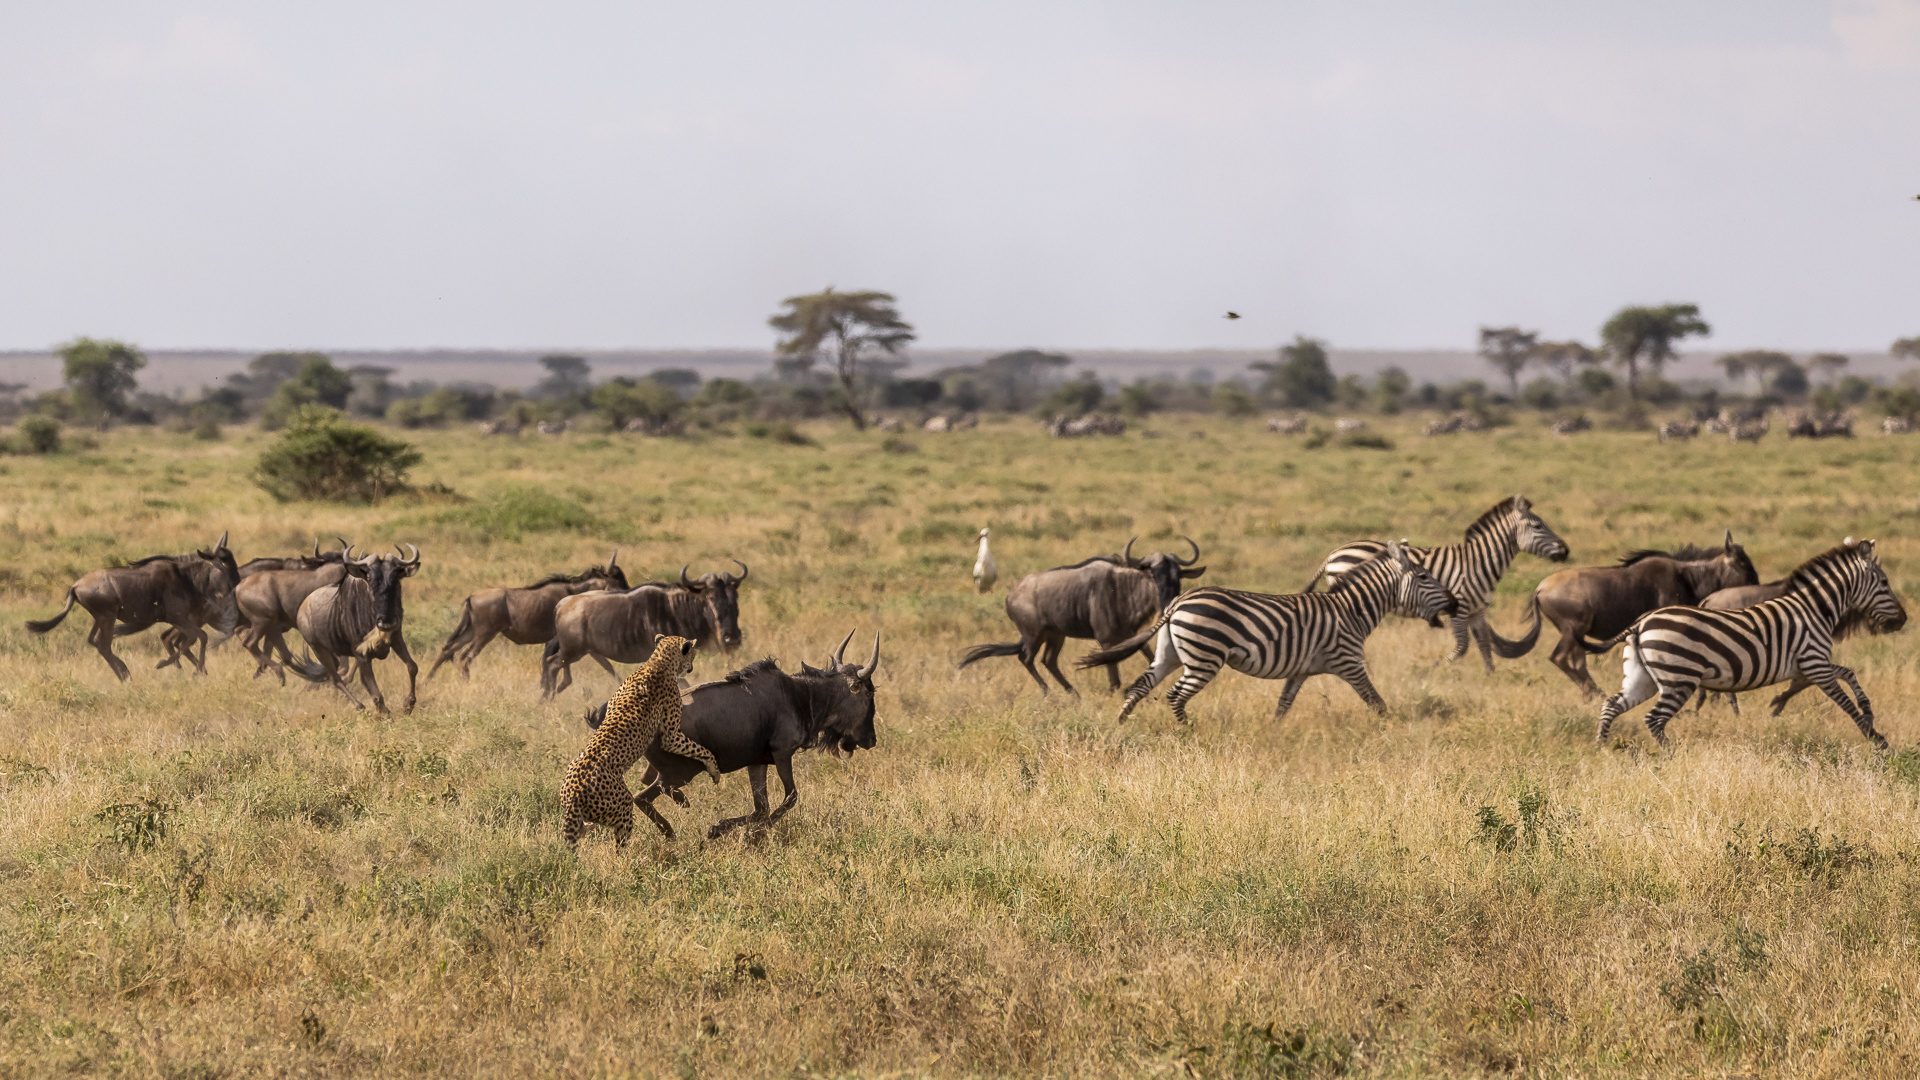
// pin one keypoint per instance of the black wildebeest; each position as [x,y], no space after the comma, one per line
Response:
[524,616]
[183,591]
[760,716]
[359,619]
[621,626]
[1593,603]
[1107,598]
[270,599]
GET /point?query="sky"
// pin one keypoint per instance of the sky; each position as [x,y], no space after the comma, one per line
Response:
[608,175]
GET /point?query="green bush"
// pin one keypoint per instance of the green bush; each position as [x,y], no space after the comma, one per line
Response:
[40,434]
[317,383]
[523,509]
[1231,400]
[652,403]
[324,458]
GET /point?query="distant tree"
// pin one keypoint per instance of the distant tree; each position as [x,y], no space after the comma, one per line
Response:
[685,381]
[567,377]
[1645,335]
[1508,349]
[1564,358]
[100,376]
[1017,379]
[266,372]
[1390,390]
[1828,364]
[317,383]
[372,392]
[622,399]
[1302,379]
[1759,364]
[849,326]
[1789,380]
[1232,399]
[1906,348]
[1595,382]
[1076,397]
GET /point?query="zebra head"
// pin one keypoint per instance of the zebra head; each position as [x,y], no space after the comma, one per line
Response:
[1870,596]
[1417,594]
[1532,535]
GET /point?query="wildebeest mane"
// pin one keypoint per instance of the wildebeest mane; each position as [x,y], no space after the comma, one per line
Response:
[1683,553]
[571,579]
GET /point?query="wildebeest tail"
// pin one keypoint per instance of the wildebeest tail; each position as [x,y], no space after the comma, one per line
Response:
[307,669]
[546,668]
[41,626]
[461,634]
[1126,648]
[982,652]
[595,716]
[1514,649]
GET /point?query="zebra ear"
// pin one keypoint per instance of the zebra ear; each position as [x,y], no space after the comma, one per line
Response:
[1520,503]
[1398,551]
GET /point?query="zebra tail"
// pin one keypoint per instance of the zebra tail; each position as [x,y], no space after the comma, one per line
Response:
[1126,648]
[982,652]
[1515,648]
[1607,645]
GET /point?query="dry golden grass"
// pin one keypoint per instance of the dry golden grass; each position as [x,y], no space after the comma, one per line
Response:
[1007,885]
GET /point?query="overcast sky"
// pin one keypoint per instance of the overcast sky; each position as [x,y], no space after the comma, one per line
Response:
[399,174]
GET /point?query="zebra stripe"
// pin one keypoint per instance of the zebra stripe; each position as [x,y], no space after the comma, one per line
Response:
[1281,637]
[1676,650]
[1471,569]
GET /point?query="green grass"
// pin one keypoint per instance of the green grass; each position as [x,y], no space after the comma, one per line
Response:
[220,877]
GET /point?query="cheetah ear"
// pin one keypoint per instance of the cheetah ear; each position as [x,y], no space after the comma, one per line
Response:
[686,648]
[657,639]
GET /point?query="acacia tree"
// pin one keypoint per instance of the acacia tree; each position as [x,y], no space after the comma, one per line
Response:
[852,327]
[1759,363]
[1645,335]
[1509,349]
[100,375]
[1563,357]
[1828,364]
[1906,348]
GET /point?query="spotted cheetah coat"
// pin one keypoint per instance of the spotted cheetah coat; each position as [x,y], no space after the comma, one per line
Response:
[646,707]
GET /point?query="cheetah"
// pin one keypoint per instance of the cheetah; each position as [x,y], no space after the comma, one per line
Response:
[646,706]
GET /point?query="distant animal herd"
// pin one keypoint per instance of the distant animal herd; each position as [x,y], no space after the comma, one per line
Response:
[1694,621]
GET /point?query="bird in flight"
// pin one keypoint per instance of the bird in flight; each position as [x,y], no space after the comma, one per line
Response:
[1235,314]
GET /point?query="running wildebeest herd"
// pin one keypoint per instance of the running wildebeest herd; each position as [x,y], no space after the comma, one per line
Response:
[1692,621]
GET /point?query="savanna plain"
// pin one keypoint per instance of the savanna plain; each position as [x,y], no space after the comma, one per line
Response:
[217,876]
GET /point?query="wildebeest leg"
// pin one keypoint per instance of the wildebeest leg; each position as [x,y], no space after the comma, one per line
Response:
[757,779]
[373,688]
[336,674]
[481,638]
[644,801]
[607,667]
[1287,693]
[1050,656]
[785,768]
[413,669]
[101,638]
[1571,659]
[1029,650]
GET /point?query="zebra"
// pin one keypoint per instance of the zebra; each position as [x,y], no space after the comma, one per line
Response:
[1469,569]
[1673,651]
[1280,637]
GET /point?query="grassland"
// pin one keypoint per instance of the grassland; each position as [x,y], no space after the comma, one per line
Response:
[1007,885]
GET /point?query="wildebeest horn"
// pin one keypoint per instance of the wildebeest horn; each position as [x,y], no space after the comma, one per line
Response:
[316,549]
[840,654]
[408,560]
[1126,553]
[743,571]
[344,546]
[684,583]
[1196,553]
[222,544]
[364,560]
[613,558]
[873,664]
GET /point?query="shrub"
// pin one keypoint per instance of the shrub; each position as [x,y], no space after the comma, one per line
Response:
[40,434]
[1232,400]
[322,457]
[782,432]
[440,407]
[1903,401]
[317,383]
[1542,394]
[520,510]
[622,400]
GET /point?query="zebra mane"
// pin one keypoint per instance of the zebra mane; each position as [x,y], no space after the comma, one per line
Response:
[1683,553]
[1495,515]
